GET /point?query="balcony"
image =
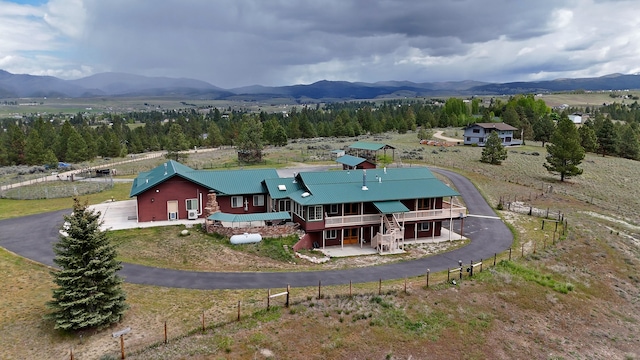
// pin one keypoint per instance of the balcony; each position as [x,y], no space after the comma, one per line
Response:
[448,211]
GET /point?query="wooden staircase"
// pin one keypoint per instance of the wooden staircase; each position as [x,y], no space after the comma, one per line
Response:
[393,237]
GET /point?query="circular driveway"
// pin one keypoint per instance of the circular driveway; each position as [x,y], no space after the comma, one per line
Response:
[33,237]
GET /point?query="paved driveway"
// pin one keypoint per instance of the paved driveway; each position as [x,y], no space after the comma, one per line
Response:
[33,237]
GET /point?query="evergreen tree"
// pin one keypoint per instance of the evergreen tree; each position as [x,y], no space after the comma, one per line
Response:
[250,143]
[214,136]
[543,128]
[88,293]
[16,143]
[588,138]
[607,139]
[176,142]
[34,150]
[76,148]
[565,152]
[494,152]
[628,146]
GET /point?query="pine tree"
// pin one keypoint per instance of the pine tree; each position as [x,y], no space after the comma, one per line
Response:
[88,293]
[565,152]
[494,152]
[176,142]
[607,138]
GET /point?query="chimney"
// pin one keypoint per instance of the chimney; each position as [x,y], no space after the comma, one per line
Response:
[364,180]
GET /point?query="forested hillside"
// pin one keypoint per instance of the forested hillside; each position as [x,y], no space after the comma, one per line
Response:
[48,139]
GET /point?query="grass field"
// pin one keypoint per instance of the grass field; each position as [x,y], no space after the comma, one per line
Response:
[577,299]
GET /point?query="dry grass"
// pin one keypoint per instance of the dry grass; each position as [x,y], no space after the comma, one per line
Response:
[497,314]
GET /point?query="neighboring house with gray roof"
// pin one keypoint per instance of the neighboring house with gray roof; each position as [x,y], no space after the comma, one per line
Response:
[479,132]
[375,207]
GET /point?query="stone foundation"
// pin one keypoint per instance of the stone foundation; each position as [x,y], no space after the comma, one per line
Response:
[266,231]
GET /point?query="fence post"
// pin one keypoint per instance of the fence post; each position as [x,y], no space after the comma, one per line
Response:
[480,265]
[542,224]
[122,347]
[509,254]
[319,287]
[428,271]
[522,251]
[238,310]
[268,298]
[202,320]
[448,276]
[165,332]
[350,293]
[495,255]
[471,268]
[288,292]
[380,287]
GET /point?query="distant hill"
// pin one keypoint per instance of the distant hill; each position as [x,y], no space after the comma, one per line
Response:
[128,85]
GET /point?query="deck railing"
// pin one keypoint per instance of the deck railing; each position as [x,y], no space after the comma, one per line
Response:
[448,211]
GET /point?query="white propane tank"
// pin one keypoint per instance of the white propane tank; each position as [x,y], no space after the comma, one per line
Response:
[245,238]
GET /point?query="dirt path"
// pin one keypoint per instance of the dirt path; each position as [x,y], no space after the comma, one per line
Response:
[438,135]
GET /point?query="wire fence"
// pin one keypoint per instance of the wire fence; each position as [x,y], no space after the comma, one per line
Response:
[57,189]
[257,307]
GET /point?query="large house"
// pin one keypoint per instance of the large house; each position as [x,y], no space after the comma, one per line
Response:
[380,208]
[479,132]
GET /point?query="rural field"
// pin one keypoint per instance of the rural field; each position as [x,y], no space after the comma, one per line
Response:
[575,296]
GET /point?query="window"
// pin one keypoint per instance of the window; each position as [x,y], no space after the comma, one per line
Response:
[192,204]
[424,226]
[258,200]
[476,131]
[314,213]
[284,205]
[351,209]
[331,234]
[333,209]
[468,138]
[236,201]
[423,204]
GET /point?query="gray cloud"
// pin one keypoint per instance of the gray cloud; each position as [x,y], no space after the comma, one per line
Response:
[242,42]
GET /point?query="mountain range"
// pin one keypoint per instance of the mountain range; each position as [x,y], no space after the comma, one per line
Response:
[112,84]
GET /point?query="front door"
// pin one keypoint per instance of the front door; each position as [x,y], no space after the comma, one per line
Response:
[172,209]
[350,236]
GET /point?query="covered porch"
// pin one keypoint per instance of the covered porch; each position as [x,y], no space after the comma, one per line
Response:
[358,250]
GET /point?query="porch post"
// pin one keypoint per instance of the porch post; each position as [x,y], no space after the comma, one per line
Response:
[433,230]
[415,232]
[324,236]
[342,238]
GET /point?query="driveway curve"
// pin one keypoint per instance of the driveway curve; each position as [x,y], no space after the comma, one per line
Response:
[33,237]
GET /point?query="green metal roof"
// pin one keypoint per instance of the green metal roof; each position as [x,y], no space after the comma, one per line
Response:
[390,207]
[227,182]
[337,187]
[235,182]
[274,187]
[363,145]
[350,160]
[220,216]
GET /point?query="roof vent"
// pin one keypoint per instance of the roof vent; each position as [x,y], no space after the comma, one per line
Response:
[146,181]
[165,168]
[294,177]
[385,169]
[364,180]
[282,187]
[305,194]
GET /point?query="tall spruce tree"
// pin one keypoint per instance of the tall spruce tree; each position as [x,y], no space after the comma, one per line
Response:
[88,293]
[565,152]
[494,152]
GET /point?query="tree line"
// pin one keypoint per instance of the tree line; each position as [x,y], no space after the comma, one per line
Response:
[47,140]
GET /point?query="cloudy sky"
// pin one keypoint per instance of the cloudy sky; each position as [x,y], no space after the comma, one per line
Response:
[232,43]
